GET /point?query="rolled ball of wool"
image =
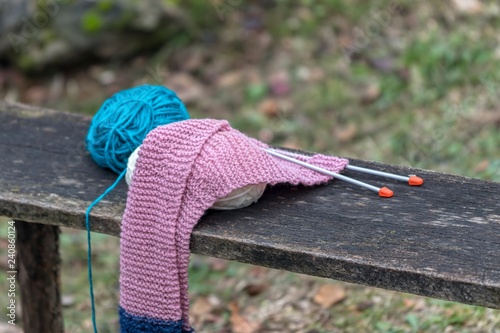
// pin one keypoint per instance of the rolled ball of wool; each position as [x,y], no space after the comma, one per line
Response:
[238,198]
[124,120]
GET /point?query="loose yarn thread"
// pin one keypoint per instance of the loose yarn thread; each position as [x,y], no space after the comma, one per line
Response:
[117,129]
[89,246]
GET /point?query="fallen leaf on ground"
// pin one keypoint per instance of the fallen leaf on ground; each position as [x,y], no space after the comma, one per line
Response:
[482,166]
[364,306]
[218,265]
[230,79]
[255,289]
[186,87]
[329,294]
[36,95]
[371,94]
[416,304]
[239,323]
[486,117]
[468,6]
[290,144]
[346,133]
[201,307]
[269,107]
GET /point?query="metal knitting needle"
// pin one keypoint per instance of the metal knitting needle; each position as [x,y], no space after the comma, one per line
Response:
[412,180]
[383,192]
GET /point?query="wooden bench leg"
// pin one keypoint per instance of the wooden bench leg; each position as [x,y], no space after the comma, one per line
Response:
[38,277]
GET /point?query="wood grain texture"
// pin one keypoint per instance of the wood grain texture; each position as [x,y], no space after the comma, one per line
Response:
[440,240]
[38,277]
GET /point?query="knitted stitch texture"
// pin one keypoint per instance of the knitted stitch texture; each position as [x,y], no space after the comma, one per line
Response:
[182,169]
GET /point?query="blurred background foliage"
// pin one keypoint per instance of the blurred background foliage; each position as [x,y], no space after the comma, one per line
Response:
[402,82]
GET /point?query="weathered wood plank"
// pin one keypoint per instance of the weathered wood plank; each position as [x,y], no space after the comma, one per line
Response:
[440,240]
[38,266]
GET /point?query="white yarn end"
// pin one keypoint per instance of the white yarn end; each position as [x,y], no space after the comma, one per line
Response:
[239,198]
[131,165]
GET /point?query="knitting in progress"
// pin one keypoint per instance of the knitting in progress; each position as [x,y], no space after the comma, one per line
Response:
[117,129]
[183,168]
[238,198]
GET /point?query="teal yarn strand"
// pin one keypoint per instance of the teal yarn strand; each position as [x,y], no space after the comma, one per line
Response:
[117,129]
[124,120]
[89,245]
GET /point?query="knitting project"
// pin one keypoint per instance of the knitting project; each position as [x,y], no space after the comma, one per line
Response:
[182,169]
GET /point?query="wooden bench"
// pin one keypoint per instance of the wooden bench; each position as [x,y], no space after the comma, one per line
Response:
[440,240]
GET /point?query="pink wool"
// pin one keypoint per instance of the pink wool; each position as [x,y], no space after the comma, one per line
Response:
[182,169]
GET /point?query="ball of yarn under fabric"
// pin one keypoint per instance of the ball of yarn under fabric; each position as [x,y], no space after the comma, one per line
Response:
[238,198]
[124,120]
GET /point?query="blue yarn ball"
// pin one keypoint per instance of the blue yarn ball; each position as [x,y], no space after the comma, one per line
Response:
[124,120]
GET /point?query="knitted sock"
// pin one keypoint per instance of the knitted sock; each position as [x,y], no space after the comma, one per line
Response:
[182,169]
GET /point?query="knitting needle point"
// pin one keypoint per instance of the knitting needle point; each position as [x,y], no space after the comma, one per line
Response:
[412,179]
[383,192]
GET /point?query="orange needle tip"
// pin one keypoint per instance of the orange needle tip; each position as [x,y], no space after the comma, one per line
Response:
[385,192]
[415,181]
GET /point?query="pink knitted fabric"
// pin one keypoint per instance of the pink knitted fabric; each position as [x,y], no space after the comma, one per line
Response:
[182,169]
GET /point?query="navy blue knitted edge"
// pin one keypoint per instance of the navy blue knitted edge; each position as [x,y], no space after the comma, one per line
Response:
[136,324]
